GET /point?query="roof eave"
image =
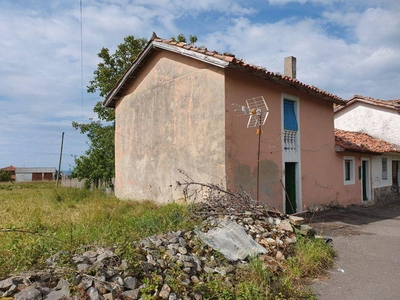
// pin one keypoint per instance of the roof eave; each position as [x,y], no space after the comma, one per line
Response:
[113,96]
[292,83]
[366,101]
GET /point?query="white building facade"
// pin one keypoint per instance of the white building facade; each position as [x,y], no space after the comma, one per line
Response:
[380,120]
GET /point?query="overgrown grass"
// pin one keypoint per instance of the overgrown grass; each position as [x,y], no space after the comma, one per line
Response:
[256,280]
[38,220]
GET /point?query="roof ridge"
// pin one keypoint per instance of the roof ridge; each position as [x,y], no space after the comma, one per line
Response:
[231,58]
[228,59]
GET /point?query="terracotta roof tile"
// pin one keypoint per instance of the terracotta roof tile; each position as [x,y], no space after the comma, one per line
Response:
[362,142]
[229,57]
[234,63]
[392,104]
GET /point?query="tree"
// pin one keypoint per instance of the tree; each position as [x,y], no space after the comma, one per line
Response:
[97,164]
[5,175]
[182,39]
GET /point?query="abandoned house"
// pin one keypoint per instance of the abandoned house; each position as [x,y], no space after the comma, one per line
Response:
[177,109]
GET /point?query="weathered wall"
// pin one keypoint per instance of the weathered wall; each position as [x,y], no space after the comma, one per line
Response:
[21,177]
[242,142]
[377,179]
[171,118]
[387,194]
[384,190]
[379,122]
[321,167]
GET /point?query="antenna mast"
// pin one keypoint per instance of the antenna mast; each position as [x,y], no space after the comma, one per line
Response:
[258,110]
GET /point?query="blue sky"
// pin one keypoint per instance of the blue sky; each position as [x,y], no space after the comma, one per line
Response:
[343,47]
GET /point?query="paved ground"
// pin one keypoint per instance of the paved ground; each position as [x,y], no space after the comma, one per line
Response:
[368,244]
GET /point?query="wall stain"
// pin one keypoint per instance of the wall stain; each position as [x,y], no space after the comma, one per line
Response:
[269,178]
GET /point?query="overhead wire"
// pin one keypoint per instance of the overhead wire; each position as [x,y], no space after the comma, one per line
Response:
[81,23]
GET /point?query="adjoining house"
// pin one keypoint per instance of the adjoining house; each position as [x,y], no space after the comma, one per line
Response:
[176,109]
[34,174]
[378,118]
[10,169]
[371,164]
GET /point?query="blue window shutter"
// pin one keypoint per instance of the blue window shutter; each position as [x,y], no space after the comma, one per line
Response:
[289,114]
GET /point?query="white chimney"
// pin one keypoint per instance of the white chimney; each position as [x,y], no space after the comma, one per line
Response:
[290,67]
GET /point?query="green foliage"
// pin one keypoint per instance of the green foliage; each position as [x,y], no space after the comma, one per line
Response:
[310,258]
[98,161]
[113,66]
[150,286]
[97,164]
[182,39]
[5,175]
[254,281]
[215,287]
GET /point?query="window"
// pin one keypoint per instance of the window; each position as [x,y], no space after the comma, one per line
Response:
[348,170]
[289,115]
[384,169]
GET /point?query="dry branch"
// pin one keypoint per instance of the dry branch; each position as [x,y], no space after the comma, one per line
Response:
[217,200]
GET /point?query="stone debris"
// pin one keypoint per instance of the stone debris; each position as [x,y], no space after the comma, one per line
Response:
[167,266]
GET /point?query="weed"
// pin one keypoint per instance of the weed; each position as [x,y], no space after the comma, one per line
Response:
[54,219]
[39,220]
[215,286]
[253,280]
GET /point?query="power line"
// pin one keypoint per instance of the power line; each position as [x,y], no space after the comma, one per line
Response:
[80,5]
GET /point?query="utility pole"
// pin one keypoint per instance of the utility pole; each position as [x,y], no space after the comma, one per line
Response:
[59,164]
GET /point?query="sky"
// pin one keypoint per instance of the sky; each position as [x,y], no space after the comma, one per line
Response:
[48,53]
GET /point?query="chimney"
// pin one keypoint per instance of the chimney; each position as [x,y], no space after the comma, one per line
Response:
[290,67]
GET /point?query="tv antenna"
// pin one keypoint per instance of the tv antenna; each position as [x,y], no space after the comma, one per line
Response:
[258,111]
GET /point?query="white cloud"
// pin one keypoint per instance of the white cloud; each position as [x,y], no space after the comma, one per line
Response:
[340,65]
[344,47]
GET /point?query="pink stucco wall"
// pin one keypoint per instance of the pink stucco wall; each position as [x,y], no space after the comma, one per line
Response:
[172,117]
[321,175]
[178,114]
[242,142]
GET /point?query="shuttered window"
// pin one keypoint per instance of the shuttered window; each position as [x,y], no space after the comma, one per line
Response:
[289,113]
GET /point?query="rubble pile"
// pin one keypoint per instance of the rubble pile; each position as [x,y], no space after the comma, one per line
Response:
[173,265]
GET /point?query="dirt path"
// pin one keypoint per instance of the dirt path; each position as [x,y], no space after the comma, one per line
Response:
[368,244]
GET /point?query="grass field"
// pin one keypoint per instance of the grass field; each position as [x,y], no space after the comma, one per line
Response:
[38,220]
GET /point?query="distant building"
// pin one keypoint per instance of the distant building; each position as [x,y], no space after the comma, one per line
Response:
[10,169]
[34,174]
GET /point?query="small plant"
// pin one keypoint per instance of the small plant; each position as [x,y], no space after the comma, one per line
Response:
[254,280]
[215,286]
[150,286]
[310,258]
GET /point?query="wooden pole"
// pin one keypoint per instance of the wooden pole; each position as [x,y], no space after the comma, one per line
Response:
[258,159]
[59,164]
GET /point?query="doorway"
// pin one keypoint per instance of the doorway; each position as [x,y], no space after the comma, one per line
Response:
[365,177]
[290,187]
[395,175]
